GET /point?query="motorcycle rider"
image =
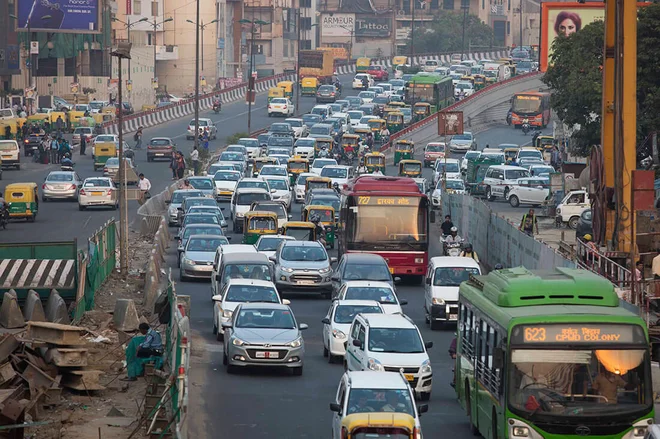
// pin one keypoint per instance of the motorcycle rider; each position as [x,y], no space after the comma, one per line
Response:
[453,235]
[468,252]
[447,225]
[320,231]
[335,186]
[338,85]
[365,82]
[498,267]
[66,161]
[525,126]
[323,153]
[362,169]
[217,103]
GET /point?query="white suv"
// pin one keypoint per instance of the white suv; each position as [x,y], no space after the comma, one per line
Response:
[500,178]
[241,202]
[337,324]
[369,392]
[390,343]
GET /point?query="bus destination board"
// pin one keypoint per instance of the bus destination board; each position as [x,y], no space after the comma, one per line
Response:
[386,201]
[577,333]
[528,98]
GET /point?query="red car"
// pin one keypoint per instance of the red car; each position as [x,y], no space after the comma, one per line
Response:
[379,73]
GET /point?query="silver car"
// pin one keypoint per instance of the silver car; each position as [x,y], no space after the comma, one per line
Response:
[303,265]
[196,229]
[203,124]
[176,201]
[462,142]
[61,185]
[204,184]
[197,257]
[263,334]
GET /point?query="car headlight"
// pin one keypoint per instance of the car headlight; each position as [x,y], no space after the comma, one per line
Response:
[238,342]
[227,313]
[296,343]
[287,269]
[520,431]
[240,214]
[336,333]
[188,261]
[426,367]
[375,365]
[325,270]
[639,431]
[172,210]
[437,301]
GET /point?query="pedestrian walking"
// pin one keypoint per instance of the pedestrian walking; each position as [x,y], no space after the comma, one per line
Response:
[83,144]
[59,125]
[138,138]
[194,158]
[47,126]
[145,186]
[180,166]
[173,164]
[205,138]
[54,150]
[529,223]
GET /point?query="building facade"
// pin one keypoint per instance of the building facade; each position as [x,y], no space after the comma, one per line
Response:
[9,52]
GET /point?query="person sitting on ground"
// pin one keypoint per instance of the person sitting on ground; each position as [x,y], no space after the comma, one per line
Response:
[142,347]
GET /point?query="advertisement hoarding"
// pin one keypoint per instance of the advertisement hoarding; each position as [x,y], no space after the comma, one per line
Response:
[337,25]
[450,123]
[370,26]
[79,16]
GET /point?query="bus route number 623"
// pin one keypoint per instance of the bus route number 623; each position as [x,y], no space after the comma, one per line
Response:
[534,334]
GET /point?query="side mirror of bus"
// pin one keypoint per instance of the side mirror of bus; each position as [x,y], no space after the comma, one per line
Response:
[432,216]
[428,281]
[498,358]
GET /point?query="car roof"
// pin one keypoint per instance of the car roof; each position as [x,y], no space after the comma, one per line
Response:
[197,198]
[245,257]
[238,248]
[294,243]
[454,261]
[255,282]
[202,236]
[261,305]
[507,167]
[387,321]
[442,160]
[356,302]
[367,283]
[337,167]
[61,173]
[253,190]
[364,258]
[215,226]
[286,237]
[376,380]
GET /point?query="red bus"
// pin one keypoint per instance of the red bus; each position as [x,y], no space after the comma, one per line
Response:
[387,216]
[534,106]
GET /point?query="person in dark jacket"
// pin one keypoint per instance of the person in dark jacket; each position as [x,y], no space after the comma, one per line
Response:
[452,354]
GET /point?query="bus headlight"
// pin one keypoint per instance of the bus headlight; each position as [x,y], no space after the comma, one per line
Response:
[639,431]
[520,431]
[419,260]
[437,301]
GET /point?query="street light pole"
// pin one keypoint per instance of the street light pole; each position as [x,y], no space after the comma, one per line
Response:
[297,59]
[197,75]
[412,31]
[202,27]
[155,24]
[129,25]
[521,22]
[465,8]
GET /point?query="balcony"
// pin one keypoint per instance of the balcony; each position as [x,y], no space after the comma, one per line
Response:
[167,53]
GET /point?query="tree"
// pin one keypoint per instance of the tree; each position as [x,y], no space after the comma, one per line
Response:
[445,34]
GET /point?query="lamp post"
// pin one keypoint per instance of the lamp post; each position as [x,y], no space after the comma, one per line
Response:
[465,5]
[123,51]
[202,26]
[155,25]
[251,78]
[129,25]
[298,29]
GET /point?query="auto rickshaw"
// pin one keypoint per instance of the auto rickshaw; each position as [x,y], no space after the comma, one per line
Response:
[361,133]
[403,150]
[395,121]
[275,92]
[9,129]
[394,106]
[287,86]
[301,230]
[326,141]
[468,78]
[296,166]
[544,142]
[398,61]
[510,154]
[479,82]
[373,161]
[410,168]
[376,126]
[102,152]
[101,118]
[351,140]
[260,162]
[38,119]
[317,182]
[327,219]
[387,424]
[23,199]
[309,86]
[421,110]
[257,223]
[362,65]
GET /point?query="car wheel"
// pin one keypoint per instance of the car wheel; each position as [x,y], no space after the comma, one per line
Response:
[514,201]
[220,337]
[150,159]
[44,199]
[81,207]
[231,369]
[297,371]
[489,194]
[325,351]
[270,114]
[182,277]
[425,396]
[573,222]
[224,358]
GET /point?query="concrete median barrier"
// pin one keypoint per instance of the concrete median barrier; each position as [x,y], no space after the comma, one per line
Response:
[11,316]
[125,317]
[33,309]
[56,310]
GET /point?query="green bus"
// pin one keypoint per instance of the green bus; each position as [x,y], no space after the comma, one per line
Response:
[435,89]
[551,354]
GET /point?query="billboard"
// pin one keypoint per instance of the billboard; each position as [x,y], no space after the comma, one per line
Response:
[450,123]
[337,25]
[73,16]
[371,26]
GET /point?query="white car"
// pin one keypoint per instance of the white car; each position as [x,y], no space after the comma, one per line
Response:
[541,170]
[388,89]
[453,185]
[98,191]
[319,164]
[298,126]
[381,292]
[357,81]
[470,155]
[443,277]
[237,291]
[344,119]
[390,342]
[446,168]
[364,121]
[299,187]
[533,190]
[339,174]
[220,252]
[253,182]
[304,148]
[109,138]
[367,96]
[529,153]
[464,86]
[337,322]
[462,142]
[280,189]
[281,106]
[267,244]
[203,124]
[274,170]
[225,183]
[500,178]
[355,116]
[241,201]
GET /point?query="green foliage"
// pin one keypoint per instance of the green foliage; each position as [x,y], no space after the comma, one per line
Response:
[445,34]
[233,139]
[648,79]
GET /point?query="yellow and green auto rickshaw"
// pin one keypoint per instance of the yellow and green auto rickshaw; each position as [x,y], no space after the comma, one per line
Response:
[323,141]
[102,152]
[395,121]
[373,161]
[381,423]
[301,230]
[362,65]
[296,166]
[410,168]
[398,61]
[257,223]
[23,199]
[403,150]
[376,126]
[421,110]
[510,154]
[326,217]
[544,142]
[101,118]
[287,86]
[361,133]
[351,140]
[260,162]
[308,86]
[317,183]
[9,129]
[479,82]
[275,92]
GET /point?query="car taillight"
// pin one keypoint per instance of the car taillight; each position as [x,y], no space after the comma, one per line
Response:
[27,141]
[43,186]
[284,107]
[73,186]
[105,169]
[82,192]
[344,433]
[417,433]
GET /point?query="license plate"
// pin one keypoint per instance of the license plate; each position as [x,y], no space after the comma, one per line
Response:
[305,282]
[453,316]
[391,270]
[97,194]
[6,156]
[268,354]
[159,154]
[409,377]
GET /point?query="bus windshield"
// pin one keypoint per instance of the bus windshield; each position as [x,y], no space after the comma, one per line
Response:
[421,92]
[578,382]
[526,104]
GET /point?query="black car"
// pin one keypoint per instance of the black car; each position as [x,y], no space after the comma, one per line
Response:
[360,266]
[281,141]
[327,93]
[281,129]
[584,225]
[31,144]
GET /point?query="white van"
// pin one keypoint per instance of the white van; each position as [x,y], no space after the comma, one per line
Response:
[430,65]
[10,154]
[500,178]
[444,275]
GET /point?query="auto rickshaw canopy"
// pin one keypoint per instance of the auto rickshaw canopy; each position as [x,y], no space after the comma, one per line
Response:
[350,139]
[545,142]
[404,145]
[301,230]
[395,117]
[386,423]
[410,168]
[297,165]
[317,182]
[275,92]
[260,221]
[422,108]
[326,213]
[377,124]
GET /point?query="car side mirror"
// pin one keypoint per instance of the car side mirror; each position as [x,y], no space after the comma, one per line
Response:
[325,321]
[227,325]
[290,217]
[168,201]
[428,281]
[228,238]
[217,298]
[422,408]
[303,326]
[178,208]
[333,260]
[222,209]
[335,278]
[334,407]
[357,343]
[428,344]
[218,277]
[272,258]
[403,302]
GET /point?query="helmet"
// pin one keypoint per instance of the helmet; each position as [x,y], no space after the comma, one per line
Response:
[67,155]
[454,229]
[499,266]
[335,185]
[468,246]
[587,237]
[315,218]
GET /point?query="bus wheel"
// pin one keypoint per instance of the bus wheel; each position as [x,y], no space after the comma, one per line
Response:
[468,404]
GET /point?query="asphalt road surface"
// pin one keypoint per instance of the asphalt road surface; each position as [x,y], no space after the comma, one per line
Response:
[61,220]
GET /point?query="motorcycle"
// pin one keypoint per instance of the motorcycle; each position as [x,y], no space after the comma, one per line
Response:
[324,153]
[4,216]
[525,127]
[67,166]
[451,248]
[338,157]
[217,106]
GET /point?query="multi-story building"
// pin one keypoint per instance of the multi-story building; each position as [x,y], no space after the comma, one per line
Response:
[228,49]
[9,52]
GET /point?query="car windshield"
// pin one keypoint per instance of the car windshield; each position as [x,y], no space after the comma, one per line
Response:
[294,123]
[269,244]
[453,276]
[178,197]
[464,86]
[320,163]
[248,143]
[355,115]
[326,88]
[381,295]
[204,244]
[435,147]
[251,293]
[278,183]
[97,182]
[201,183]
[345,313]
[302,179]
[102,138]
[323,130]
[280,128]
[249,198]
[200,219]
[334,202]
[336,108]
[514,174]
[298,253]
[280,141]
[260,184]
[226,176]
[397,83]
[205,209]
[265,318]
[472,154]
[112,162]
[382,100]
[311,119]
[247,271]
[334,172]
[365,119]
[232,157]
[380,400]
[190,202]
[532,154]
[319,111]
[441,166]
[278,101]
[538,170]
[201,230]
[367,95]
[524,65]
[273,170]
[395,340]
[453,184]
[60,176]
[202,123]
[375,272]
[160,142]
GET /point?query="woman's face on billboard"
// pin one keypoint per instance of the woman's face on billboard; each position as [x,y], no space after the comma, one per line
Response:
[567,27]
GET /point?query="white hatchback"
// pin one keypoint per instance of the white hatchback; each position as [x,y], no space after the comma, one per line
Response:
[533,190]
[281,106]
[299,187]
[319,164]
[339,174]
[337,323]
[381,292]
[280,190]
[357,80]
[98,192]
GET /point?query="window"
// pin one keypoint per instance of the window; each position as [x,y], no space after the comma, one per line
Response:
[447,4]
[154,9]
[305,23]
[355,330]
[137,7]
[406,6]
[150,39]
[361,335]
[286,50]
[508,27]
[305,3]
[434,4]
